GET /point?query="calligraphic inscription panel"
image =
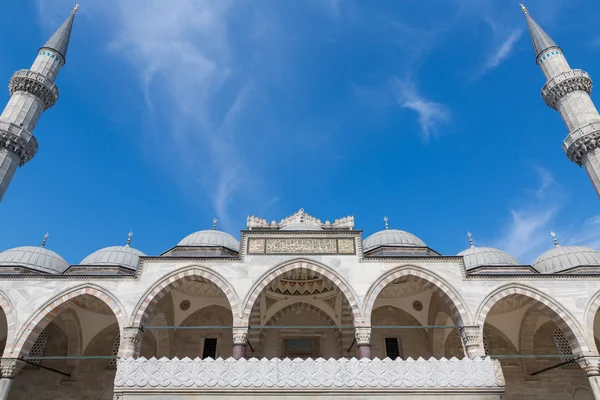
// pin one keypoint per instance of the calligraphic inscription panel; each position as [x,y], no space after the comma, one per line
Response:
[300,246]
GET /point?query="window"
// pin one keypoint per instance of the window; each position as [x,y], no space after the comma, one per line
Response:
[562,346]
[392,348]
[210,348]
[38,348]
[486,345]
[115,351]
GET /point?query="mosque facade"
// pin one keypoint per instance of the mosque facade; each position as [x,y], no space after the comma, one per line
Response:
[299,308]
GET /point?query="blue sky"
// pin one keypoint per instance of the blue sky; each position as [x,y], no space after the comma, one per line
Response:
[172,113]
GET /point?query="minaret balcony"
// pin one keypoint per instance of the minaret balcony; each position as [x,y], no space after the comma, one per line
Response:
[565,83]
[37,84]
[581,141]
[18,140]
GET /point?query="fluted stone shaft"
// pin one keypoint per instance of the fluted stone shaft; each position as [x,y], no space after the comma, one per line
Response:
[9,162]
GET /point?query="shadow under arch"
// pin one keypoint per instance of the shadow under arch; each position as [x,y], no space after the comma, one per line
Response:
[55,306]
[557,313]
[457,306]
[167,283]
[314,266]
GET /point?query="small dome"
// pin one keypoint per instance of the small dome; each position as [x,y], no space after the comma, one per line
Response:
[478,256]
[124,256]
[38,258]
[392,237]
[561,258]
[211,238]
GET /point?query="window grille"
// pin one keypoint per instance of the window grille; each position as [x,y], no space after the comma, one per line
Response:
[562,346]
[38,348]
[486,345]
[115,351]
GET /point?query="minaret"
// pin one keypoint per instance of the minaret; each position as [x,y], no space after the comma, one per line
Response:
[568,92]
[32,92]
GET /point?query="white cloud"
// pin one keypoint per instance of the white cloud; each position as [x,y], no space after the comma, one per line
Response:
[503,51]
[431,114]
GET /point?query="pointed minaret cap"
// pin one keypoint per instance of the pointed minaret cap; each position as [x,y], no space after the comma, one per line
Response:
[540,39]
[59,42]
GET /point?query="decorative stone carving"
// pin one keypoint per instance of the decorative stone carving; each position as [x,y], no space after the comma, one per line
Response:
[275,374]
[301,217]
[591,366]
[363,336]
[240,336]
[565,83]
[499,374]
[301,246]
[256,246]
[346,246]
[270,301]
[10,367]
[37,84]
[19,141]
[330,301]
[581,141]
[472,341]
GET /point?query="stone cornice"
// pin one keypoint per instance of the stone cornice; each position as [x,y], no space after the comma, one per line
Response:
[19,141]
[579,142]
[37,84]
[412,259]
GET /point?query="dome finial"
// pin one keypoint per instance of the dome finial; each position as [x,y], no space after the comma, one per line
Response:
[45,239]
[523,8]
[215,224]
[554,238]
[471,243]
[75,8]
[385,219]
[129,235]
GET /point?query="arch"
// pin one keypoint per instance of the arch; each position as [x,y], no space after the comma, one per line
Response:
[590,315]
[46,313]
[528,329]
[561,317]
[314,266]
[301,306]
[72,329]
[166,284]
[11,320]
[457,306]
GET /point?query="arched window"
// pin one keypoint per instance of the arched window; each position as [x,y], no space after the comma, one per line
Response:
[486,345]
[562,345]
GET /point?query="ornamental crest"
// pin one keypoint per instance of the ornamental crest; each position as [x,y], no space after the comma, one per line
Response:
[300,221]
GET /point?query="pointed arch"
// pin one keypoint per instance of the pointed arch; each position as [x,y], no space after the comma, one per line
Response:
[51,309]
[321,269]
[153,295]
[11,320]
[591,311]
[557,313]
[457,306]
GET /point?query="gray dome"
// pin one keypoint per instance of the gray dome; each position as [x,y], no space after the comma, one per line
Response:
[124,256]
[477,256]
[392,237]
[38,258]
[211,238]
[561,258]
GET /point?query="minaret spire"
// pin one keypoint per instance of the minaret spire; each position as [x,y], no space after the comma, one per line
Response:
[568,92]
[32,92]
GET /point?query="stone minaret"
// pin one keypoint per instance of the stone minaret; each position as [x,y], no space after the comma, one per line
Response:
[32,92]
[568,92]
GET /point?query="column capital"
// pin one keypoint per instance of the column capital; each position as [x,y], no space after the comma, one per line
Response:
[472,339]
[9,367]
[240,336]
[362,335]
[590,364]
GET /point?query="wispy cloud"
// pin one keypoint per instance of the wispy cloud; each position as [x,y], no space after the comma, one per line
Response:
[431,114]
[503,51]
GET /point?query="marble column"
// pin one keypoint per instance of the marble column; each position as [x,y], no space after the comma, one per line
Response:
[8,369]
[363,341]
[591,366]
[472,340]
[131,341]
[240,341]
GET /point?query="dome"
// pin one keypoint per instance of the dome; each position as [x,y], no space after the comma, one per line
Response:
[561,258]
[392,237]
[212,238]
[37,258]
[124,256]
[478,256]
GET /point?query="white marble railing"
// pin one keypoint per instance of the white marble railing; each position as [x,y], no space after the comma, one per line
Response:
[333,374]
